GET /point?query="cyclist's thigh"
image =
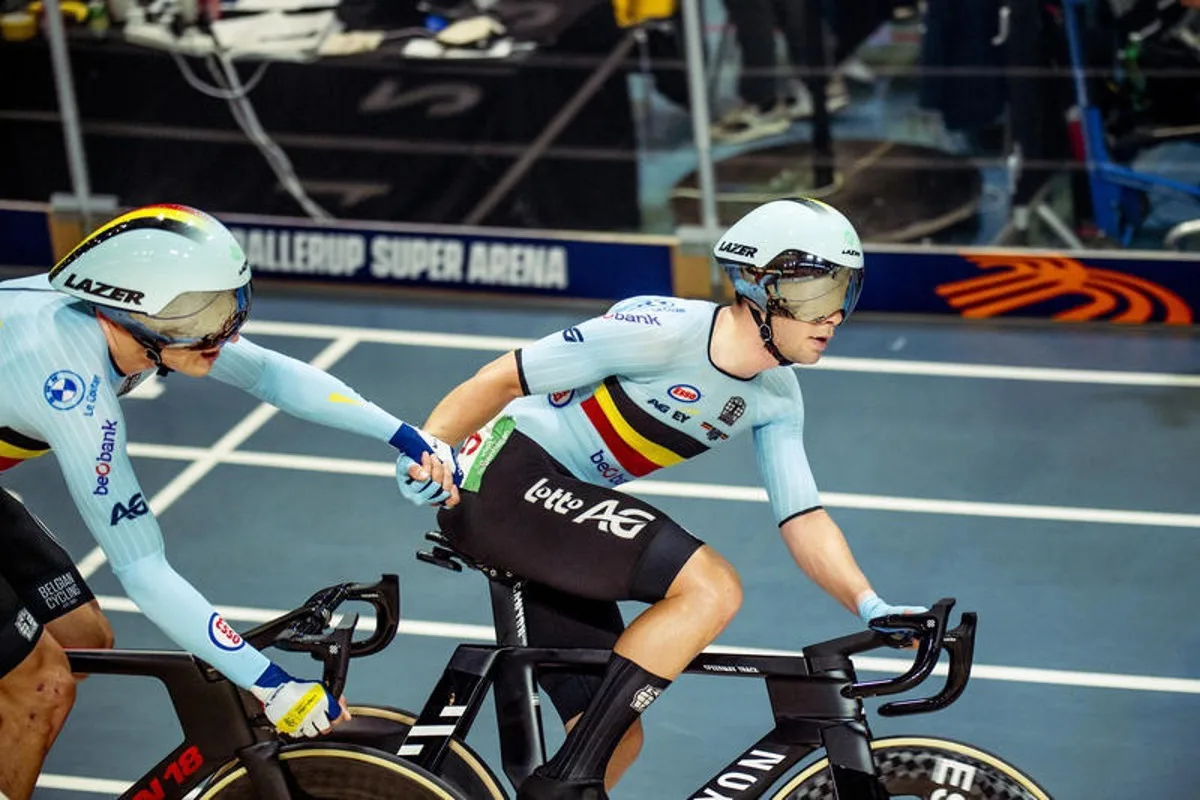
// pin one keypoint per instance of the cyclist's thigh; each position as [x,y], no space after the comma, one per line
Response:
[36,566]
[558,619]
[531,516]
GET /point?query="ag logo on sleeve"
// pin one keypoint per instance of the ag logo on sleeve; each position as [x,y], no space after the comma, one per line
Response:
[135,508]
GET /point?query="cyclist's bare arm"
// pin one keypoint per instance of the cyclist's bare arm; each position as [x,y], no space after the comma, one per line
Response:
[474,402]
[819,548]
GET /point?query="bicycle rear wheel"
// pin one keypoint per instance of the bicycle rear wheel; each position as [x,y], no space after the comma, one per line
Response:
[925,768]
[338,772]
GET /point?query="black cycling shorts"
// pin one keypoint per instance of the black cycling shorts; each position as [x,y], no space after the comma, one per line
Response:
[38,581]
[581,546]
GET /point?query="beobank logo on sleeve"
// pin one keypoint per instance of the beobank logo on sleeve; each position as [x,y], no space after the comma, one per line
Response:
[104,459]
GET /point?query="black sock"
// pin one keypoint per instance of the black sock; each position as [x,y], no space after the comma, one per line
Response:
[627,691]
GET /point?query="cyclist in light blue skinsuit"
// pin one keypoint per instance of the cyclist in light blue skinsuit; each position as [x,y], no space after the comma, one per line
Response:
[166,288]
[651,383]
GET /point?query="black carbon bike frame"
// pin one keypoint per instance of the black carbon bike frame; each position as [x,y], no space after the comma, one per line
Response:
[220,722]
[815,697]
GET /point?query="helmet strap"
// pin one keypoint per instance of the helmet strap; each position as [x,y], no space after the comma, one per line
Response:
[767,335]
[154,353]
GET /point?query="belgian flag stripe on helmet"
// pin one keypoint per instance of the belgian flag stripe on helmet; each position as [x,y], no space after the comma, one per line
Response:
[175,219]
[815,205]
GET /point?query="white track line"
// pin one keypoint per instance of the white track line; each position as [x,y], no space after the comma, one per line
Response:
[890,366]
[485,633]
[71,783]
[211,457]
[715,491]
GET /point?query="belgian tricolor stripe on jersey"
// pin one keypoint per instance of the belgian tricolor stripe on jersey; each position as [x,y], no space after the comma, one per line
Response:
[639,442]
[16,447]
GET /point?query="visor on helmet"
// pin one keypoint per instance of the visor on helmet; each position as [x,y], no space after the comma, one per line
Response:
[193,320]
[805,287]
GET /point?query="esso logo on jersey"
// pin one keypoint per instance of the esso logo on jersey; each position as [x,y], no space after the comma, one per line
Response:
[222,635]
[560,399]
[684,393]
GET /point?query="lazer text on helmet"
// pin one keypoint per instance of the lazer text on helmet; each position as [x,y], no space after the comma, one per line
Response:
[735,249]
[105,290]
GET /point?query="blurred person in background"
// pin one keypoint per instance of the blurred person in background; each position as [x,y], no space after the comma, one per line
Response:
[765,107]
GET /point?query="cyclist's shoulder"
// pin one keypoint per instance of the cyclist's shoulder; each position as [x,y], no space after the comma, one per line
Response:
[662,321]
[780,395]
[43,331]
[662,310]
[33,306]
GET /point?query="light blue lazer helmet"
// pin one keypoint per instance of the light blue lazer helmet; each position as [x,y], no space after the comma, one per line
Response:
[797,258]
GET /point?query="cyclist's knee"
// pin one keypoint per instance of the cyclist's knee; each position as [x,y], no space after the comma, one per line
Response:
[85,627]
[712,583]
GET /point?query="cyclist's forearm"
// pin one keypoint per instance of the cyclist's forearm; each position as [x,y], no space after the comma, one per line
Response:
[182,613]
[820,549]
[473,403]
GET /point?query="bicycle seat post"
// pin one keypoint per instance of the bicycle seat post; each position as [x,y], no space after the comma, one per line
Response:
[508,610]
[515,687]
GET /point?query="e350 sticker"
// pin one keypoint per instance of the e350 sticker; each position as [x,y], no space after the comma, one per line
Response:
[63,390]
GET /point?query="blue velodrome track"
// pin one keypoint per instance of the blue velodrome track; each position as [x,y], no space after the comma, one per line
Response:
[1043,475]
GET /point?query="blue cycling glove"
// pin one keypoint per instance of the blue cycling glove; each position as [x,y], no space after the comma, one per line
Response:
[418,492]
[871,606]
[412,444]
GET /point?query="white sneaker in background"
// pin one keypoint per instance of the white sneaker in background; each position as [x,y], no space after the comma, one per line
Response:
[855,69]
[745,123]
[837,97]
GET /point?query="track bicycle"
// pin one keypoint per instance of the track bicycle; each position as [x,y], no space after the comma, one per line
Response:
[230,751]
[816,700]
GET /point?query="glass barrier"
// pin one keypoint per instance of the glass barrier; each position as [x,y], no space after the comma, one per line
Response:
[1071,124]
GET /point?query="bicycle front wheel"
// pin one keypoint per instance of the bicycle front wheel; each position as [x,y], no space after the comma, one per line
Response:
[337,772]
[925,768]
[384,727]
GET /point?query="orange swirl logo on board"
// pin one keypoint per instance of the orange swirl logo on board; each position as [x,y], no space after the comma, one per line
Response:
[1021,281]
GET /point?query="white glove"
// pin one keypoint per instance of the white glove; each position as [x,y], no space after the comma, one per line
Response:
[871,606]
[297,708]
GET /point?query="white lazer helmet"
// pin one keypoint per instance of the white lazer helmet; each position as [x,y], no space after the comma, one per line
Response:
[798,258]
[170,275]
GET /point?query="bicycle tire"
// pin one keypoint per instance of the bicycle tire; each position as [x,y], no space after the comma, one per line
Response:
[337,772]
[925,768]
[462,768]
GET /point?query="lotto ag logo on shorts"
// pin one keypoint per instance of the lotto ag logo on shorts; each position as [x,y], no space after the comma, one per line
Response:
[222,635]
[684,393]
[64,390]
[1080,292]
